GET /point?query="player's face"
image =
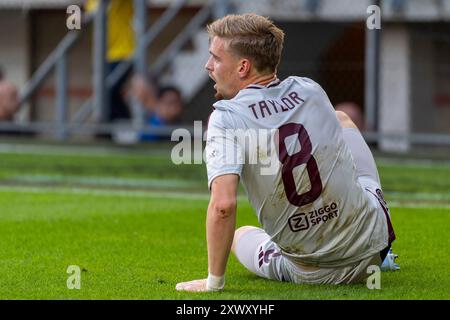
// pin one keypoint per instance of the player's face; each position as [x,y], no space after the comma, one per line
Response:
[223,68]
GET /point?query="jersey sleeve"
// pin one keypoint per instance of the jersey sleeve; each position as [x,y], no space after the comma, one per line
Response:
[223,153]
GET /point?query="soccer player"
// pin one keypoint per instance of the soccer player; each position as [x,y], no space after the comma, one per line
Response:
[322,212]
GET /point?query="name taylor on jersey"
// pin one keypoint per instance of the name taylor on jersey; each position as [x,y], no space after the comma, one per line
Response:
[266,108]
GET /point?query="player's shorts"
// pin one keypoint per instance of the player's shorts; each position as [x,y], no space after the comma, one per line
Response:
[263,257]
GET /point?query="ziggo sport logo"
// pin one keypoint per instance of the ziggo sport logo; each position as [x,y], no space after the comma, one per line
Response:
[305,220]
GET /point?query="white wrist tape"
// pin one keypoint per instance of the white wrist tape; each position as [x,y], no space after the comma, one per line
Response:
[215,283]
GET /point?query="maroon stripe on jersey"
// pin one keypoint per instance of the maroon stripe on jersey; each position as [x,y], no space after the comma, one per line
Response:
[388,219]
[254,87]
[262,87]
[274,84]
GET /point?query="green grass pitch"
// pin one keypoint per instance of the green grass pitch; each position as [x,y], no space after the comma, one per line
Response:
[135,225]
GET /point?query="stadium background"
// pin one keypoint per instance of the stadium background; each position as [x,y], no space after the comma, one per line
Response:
[58,180]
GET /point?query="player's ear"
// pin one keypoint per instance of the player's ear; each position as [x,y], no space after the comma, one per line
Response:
[245,66]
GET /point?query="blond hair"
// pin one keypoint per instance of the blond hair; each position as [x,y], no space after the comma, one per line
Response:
[251,36]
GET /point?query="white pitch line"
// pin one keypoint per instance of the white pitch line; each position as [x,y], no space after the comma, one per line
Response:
[94,182]
[426,163]
[415,205]
[177,195]
[106,151]
[101,192]
[419,196]
[77,151]
[100,181]
[105,181]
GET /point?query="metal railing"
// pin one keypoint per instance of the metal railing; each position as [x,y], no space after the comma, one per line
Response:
[143,43]
[96,105]
[50,62]
[63,127]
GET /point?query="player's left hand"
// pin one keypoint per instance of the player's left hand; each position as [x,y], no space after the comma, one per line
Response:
[192,286]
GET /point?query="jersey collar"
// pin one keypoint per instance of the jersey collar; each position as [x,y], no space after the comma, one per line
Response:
[274,83]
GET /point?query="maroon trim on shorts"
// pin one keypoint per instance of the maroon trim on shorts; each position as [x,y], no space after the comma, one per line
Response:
[388,219]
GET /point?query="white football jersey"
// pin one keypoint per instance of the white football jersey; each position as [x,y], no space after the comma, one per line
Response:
[286,144]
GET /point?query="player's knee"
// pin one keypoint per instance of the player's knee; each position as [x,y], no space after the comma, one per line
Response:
[344,120]
[238,234]
[224,209]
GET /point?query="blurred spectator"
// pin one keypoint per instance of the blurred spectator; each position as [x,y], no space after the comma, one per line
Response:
[169,106]
[167,111]
[9,102]
[163,106]
[120,47]
[355,113]
[145,91]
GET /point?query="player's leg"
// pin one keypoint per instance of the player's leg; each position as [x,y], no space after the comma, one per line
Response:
[254,249]
[367,171]
[362,156]
[344,120]
[238,234]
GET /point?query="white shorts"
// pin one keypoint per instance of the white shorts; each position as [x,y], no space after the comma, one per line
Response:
[263,257]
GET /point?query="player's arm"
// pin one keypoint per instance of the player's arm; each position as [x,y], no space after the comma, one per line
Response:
[220,225]
[223,179]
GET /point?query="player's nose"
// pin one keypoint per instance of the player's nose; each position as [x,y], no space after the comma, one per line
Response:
[208,65]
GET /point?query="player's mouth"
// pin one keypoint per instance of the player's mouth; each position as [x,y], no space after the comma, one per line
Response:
[215,84]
